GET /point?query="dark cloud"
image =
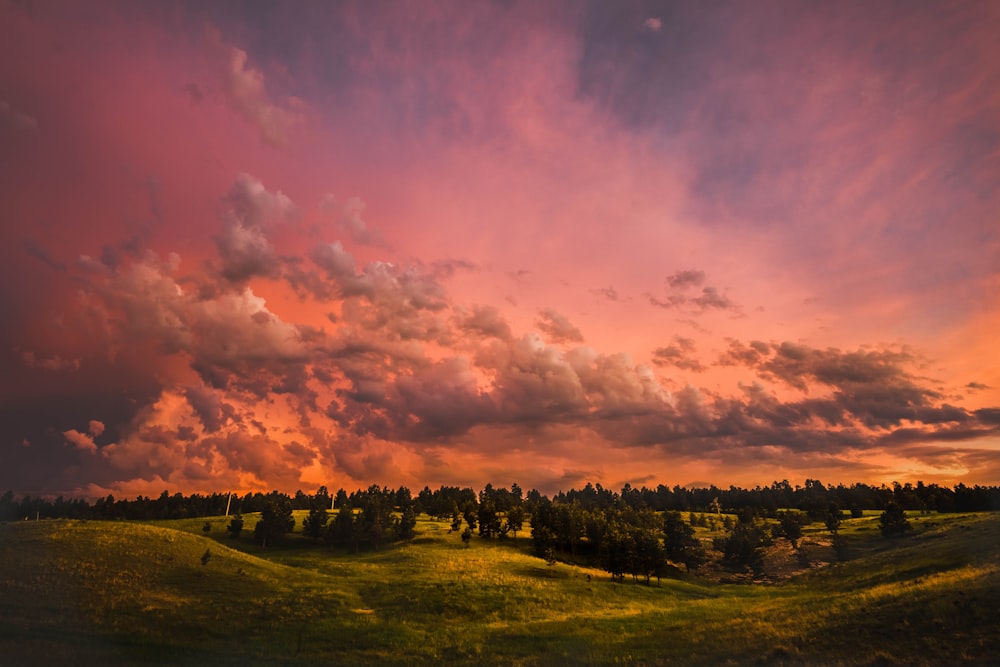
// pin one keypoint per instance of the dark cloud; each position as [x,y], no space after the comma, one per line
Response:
[686,279]
[681,354]
[872,387]
[194,92]
[207,403]
[243,246]
[246,253]
[446,268]
[679,285]
[557,328]
[485,321]
[36,250]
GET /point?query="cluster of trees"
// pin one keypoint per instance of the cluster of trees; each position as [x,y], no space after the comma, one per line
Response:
[813,498]
[620,539]
[375,523]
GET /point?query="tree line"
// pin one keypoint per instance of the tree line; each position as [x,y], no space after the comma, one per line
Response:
[813,497]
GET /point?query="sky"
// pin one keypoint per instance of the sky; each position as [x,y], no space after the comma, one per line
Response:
[262,245]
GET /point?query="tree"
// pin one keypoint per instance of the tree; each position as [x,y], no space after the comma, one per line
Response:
[470,515]
[343,532]
[679,542]
[467,535]
[407,523]
[376,516]
[322,498]
[833,518]
[315,523]
[275,520]
[893,521]
[744,546]
[489,520]
[235,526]
[648,557]
[791,527]
[515,519]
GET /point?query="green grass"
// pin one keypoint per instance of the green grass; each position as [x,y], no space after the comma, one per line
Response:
[131,593]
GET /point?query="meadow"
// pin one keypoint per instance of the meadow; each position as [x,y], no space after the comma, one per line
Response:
[99,593]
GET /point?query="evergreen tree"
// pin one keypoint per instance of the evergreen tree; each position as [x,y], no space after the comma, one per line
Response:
[343,532]
[407,523]
[315,523]
[680,544]
[489,520]
[376,518]
[893,521]
[275,520]
[791,527]
[235,526]
[833,518]
[515,519]
[744,546]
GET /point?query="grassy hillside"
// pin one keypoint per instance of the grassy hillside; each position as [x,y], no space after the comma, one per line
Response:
[120,593]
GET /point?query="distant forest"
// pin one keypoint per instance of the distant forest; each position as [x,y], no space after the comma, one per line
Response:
[814,498]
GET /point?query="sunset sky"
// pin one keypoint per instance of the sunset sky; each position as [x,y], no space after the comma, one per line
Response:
[255,245]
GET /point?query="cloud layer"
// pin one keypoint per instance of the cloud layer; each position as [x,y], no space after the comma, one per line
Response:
[561,245]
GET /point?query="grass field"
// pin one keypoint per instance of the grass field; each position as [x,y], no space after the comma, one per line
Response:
[101,593]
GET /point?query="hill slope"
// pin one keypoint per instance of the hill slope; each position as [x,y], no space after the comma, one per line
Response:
[129,593]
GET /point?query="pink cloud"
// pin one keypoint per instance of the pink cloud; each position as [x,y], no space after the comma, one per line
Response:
[246,93]
[81,441]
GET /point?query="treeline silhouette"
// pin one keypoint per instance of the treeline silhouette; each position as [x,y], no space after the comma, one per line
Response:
[813,498]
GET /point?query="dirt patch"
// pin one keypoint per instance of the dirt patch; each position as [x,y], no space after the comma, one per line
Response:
[780,563]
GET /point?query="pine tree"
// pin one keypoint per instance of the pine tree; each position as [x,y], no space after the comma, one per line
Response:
[315,523]
[275,520]
[893,521]
[407,523]
[680,544]
[235,526]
